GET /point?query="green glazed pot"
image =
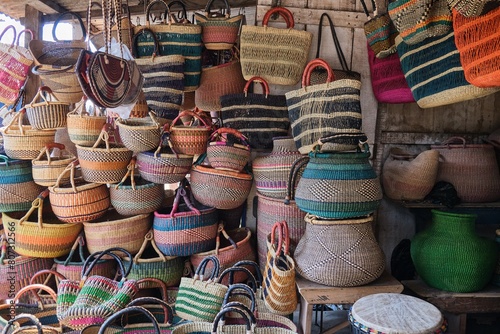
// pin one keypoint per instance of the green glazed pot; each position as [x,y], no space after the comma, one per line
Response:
[450,256]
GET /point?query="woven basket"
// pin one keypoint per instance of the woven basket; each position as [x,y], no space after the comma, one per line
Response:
[78,201]
[133,196]
[42,237]
[127,232]
[104,162]
[473,8]
[141,134]
[48,114]
[277,55]
[150,262]
[185,229]
[408,177]
[189,139]
[22,141]
[47,167]
[228,149]
[220,189]
[471,168]
[140,108]
[346,248]
[84,129]
[17,188]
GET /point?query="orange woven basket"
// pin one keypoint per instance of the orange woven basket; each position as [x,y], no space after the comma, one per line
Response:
[189,139]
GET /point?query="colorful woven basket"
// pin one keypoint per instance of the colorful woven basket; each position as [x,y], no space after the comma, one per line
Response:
[78,201]
[227,149]
[17,188]
[48,114]
[189,139]
[183,229]
[104,162]
[141,134]
[134,195]
[48,166]
[41,236]
[83,128]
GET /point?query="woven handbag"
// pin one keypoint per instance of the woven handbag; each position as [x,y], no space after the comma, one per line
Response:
[84,127]
[71,266]
[478,42]
[94,298]
[319,74]
[17,187]
[185,228]
[134,195]
[41,236]
[55,62]
[164,76]
[104,162]
[219,32]
[407,177]
[48,114]
[262,50]
[280,295]
[175,38]
[471,168]
[434,73]
[473,8]
[128,232]
[259,117]
[325,109]
[141,134]
[15,63]
[417,20]
[228,149]
[380,32]
[388,80]
[189,139]
[200,299]
[23,141]
[221,189]
[150,262]
[346,248]
[50,163]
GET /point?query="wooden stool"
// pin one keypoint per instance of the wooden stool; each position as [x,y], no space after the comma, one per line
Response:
[393,313]
[311,293]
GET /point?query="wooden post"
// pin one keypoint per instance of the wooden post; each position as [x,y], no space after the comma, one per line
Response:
[33,21]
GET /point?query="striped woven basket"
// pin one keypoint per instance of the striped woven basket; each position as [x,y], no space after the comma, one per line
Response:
[141,134]
[114,230]
[185,228]
[133,196]
[48,166]
[228,149]
[45,237]
[78,201]
[48,114]
[189,139]
[23,141]
[150,262]
[104,162]
[17,188]
[83,128]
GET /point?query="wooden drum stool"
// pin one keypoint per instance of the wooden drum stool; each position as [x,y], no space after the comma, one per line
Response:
[393,313]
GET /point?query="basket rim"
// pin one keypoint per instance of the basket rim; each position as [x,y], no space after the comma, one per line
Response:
[79,188]
[315,220]
[221,172]
[117,221]
[45,225]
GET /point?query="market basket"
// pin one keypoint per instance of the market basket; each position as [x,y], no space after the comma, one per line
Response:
[47,167]
[48,114]
[189,139]
[228,149]
[141,134]
[84,128]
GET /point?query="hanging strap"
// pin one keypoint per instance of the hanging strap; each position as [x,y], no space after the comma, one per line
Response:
[338,48]
[365,9]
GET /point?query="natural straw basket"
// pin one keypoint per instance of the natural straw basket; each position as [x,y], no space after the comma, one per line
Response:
[133,196]
[189,139]
[37,238]
[228,149]
[83,128]
[114,230]
[47,167]
[22,141]
[104,162]
[48,114]
[78,201]
[141,134]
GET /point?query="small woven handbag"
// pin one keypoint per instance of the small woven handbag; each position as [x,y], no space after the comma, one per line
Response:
[185,228]
[228,149]
[48,114]
[50,163]
[262,50]
[200,298]
[94,298]
[78,201]
[380,31]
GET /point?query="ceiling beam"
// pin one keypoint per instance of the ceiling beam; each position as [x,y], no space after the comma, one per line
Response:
[54,5]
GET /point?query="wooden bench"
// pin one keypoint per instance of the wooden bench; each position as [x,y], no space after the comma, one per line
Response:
[311,294]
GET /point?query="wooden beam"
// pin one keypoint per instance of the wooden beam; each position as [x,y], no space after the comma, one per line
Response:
[33,22]
[54,5]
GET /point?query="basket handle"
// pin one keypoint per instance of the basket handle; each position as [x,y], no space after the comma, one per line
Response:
[151,4]
[5,159]
[149,239]
[181,192]
[48,91]
[338,47]
[156,51]
[240,286]
[24,31]
[46,151]
[292,177]
[38,70]
[4,243]
[209,6]
[230,131]
[317,62]
[232,270]
[18,118]
[167,309]
[79,242]
[451,140]
[200,271]
[78,18]
[103,136]
[7,28]
[130,173]
[33,287]
[50,273]
[31,318]
[189,113]
[36,204]
[258,274]
[260,80]
[283,12]
[93,259]
[71,169]
[126,310]
[248,317]
[183,6]
[161,285]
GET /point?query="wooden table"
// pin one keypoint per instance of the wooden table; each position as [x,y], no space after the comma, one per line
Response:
[311,293]
[456,305]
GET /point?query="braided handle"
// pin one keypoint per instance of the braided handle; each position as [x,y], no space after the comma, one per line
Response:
[283,12]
